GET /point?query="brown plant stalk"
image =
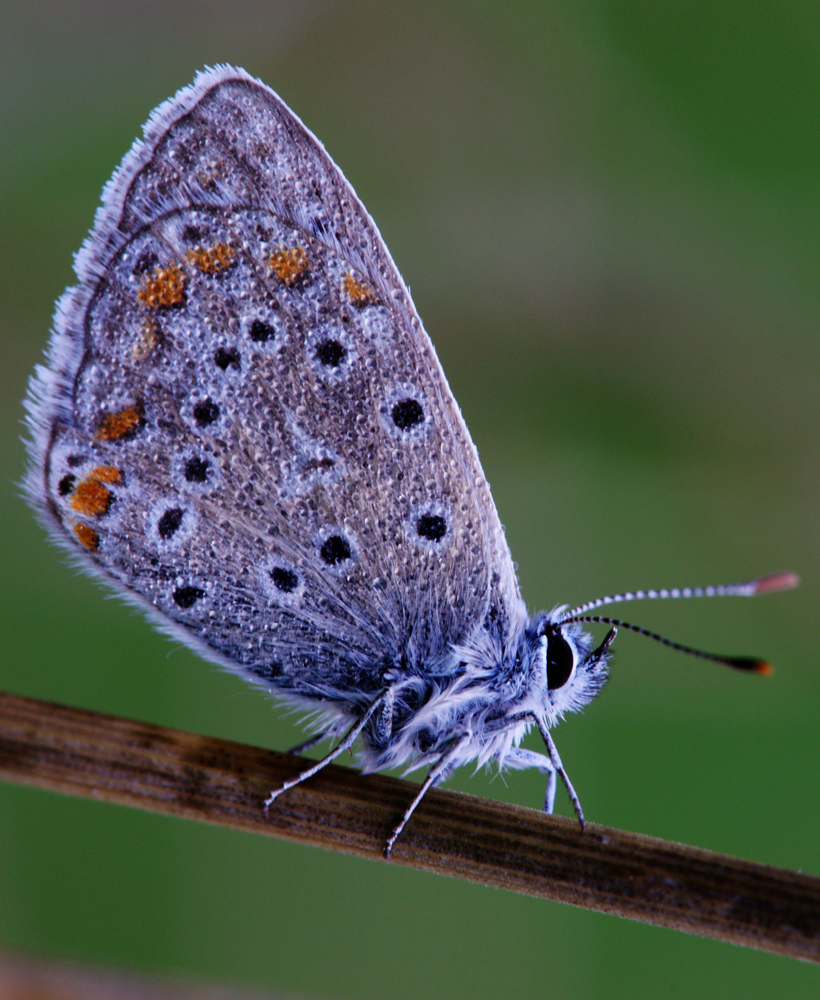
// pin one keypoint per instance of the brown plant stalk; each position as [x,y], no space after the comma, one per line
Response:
[216,781]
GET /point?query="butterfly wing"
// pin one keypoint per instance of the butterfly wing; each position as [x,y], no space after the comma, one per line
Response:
[243,423]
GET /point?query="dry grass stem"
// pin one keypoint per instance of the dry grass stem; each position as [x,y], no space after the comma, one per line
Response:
[215,781]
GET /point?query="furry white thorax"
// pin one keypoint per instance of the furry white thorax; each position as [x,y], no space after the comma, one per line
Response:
[480,703]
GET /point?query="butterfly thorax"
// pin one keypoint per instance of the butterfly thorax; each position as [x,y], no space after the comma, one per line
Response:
[496,687]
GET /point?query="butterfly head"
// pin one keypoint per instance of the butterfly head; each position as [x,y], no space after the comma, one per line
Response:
[574,671]
[571,672]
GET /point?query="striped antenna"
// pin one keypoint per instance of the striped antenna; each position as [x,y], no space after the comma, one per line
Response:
[750,664]
[762,585]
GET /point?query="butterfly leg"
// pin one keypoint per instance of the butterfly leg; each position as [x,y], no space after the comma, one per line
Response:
[521,759]
[345,744]
[309,744]
[549,793]
[437,773]
[555,759]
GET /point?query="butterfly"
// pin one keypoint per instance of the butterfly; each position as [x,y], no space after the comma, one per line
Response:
[243,427]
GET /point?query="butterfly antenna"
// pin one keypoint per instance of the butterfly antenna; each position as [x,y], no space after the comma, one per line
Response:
[761,585]
[750,664]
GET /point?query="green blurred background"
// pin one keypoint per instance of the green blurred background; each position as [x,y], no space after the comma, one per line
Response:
[609,214]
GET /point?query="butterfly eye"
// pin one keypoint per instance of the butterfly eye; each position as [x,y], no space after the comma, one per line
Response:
[560,661]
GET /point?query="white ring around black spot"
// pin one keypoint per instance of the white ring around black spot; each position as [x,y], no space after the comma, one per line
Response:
[72,464]
[430,527]
[204,410]
[195,471]
[170,523]
[330,352]
[69,464]
[192,229]
[405,413]
[262,331]
[282,581]
[225,362]
[336,550]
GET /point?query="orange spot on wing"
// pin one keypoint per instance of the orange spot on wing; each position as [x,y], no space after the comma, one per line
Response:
[163,288]
[87,537]
[122,424]
[214,260]
[107,474]
[289,264]
[359,293]
[91,499]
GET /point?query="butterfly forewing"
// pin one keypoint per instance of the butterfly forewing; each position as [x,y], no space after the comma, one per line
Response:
[250,428]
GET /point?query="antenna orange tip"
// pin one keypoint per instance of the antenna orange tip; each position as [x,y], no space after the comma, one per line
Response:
[750,664]
[776,581]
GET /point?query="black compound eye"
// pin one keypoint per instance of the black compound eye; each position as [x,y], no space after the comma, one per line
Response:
[560,661]
[407,413]
[335,550]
